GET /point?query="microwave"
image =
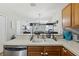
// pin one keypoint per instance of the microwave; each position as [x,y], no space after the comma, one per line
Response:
[75,37]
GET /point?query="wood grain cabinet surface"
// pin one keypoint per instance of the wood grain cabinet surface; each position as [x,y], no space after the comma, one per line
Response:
[66,52]
[48,51]
[66,16]
[75,15]
[44,51]
[70,15]
[35,50]
[52,50]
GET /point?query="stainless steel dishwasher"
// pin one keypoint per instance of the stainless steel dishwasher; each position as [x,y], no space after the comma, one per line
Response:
[15,50]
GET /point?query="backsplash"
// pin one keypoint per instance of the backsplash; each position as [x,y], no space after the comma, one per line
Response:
[23,26]
[74,31]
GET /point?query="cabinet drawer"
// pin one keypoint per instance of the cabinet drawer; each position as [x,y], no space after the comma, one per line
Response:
[35,49]
[52,48]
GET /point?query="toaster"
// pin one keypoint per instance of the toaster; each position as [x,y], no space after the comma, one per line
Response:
[75,37]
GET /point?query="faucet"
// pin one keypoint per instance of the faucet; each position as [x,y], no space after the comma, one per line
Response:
[31,38]
[55,38]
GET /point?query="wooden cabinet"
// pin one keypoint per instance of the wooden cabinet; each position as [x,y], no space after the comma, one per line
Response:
[44,51]
[75,15]
[66,16]
[70,15]
[52,50]
[66,52]
[35,50]
[48,51]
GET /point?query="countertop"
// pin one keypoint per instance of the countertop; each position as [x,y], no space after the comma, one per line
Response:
[70,45]
[30,43]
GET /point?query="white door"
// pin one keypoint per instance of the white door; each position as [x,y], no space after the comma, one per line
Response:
[3,31]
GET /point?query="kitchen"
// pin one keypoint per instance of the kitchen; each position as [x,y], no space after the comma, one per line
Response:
[39,29]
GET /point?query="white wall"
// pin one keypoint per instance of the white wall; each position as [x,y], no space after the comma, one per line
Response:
[3,32]
[11,25]
[10,22]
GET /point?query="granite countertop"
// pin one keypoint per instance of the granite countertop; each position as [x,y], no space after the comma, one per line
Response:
[30,43]
[70,45]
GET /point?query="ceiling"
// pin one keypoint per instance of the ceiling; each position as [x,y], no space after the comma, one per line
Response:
[31,10]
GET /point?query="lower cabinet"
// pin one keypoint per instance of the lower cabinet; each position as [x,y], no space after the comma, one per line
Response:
[66,52]
[35,51]
[48,51]
[52,50]
[44,50]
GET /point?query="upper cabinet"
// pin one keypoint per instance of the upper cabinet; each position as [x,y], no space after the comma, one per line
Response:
[66,16]
[75,15]
[70,15]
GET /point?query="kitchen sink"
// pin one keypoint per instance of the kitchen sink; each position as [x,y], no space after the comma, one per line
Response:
[50,40]
[37,40]
[43,40]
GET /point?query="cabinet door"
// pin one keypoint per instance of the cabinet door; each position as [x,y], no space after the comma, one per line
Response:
[35,50]
[54,53]
[67,52]
[52,50]
[66,16]
[75,15]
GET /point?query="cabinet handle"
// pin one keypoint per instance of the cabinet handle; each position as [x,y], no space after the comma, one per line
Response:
[46,53]
[41,53]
